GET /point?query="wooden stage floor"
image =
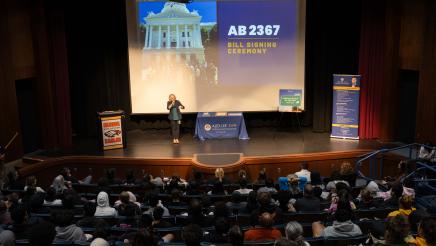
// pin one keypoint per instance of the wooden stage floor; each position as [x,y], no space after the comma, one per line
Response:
[263,142]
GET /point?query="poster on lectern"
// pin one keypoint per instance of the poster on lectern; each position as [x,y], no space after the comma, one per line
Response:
[112,132]
[345,113]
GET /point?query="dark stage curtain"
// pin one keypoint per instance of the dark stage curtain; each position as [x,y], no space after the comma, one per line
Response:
[52,74]
[379,67]
[97,54]
[332,46]
[371,67]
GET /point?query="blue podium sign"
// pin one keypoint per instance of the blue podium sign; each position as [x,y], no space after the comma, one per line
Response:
[345,113]
[220,125]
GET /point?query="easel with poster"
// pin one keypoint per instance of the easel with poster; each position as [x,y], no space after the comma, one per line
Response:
[290,101]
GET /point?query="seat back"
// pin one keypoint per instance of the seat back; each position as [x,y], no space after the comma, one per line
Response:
[377,213]
[346,241]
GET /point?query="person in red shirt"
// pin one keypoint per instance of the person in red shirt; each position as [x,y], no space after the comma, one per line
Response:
[265,231]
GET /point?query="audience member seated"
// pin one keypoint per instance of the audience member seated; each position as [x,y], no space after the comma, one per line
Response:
[154,202]
[294,232]
[193,189]
[265,231]
[285,201]
[294,187]
[59,185]
[51,199]
[335,178]
[103,207]
[197,178]
[393,196]
[5,216]
[125,204]
[195,214]
[20,226]
[99,242]
[174,183]
[269,187]
[65,229]
[31,182]
[405,206]
[13,181]
[304,172]
[308,203]
[242,174]
[266,204]
[42,234]
[220,176]
[220,209]
[343,197]
[219,235]
[157,219]
[236,237]
[192,235]
[218,189]
[69,201]
[66,173]
[12,201]
[25,197]
[261,178]
[7,237]
[427,153]
[243,190]
[35,206]
[348,173]
[130,178]
[366,200]
[88,219]
[285,242]
[103,185]
[342,226]
[403,171]
[143,238]
[426,233]
[110,176]
[397,232]
[236,202]
[176,194]
[252,204]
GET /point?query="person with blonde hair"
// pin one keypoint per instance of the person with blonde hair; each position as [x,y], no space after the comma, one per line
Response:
[175,116]
[219,174]
[405,206]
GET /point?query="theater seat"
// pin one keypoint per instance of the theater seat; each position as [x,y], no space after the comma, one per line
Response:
[257,243]
[345,241]
[176,231]
[377,213]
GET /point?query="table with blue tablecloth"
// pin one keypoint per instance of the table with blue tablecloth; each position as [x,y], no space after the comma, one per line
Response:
[220,125]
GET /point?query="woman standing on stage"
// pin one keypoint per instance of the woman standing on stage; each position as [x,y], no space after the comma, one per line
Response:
[175,116]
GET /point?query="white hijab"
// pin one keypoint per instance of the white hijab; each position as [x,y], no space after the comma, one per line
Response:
[103,207]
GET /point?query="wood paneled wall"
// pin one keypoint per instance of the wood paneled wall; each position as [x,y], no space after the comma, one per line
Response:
[426,112]
[275,166]
[32,42]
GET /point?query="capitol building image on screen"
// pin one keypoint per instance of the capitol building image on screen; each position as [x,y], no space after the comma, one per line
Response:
[175,29]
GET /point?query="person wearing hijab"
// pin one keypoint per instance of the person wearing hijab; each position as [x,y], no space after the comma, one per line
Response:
[103,207]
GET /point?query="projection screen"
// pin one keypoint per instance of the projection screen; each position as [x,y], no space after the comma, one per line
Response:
[215,55]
